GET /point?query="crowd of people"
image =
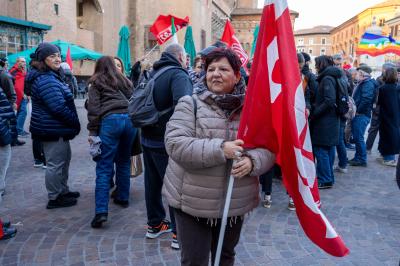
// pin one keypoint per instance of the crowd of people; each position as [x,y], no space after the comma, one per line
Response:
[184,122]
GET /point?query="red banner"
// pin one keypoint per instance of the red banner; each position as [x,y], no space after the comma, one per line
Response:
[230,39]
[161,28]
[274,118]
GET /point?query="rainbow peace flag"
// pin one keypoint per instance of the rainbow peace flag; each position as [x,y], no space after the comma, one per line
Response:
[375,45]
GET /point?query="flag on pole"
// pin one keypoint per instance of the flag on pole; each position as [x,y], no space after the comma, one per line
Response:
[68,57]
[189,45]
[376,45]
[275,100]
[163,27]
[230,39]
[173,31]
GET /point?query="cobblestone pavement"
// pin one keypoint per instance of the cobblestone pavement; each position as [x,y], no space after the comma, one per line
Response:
[364,206]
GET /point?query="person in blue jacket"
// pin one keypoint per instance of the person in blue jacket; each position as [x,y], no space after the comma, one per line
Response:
[364,97]
[8,131]
[54,121]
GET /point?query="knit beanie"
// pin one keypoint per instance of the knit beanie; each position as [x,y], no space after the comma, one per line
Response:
[46,49]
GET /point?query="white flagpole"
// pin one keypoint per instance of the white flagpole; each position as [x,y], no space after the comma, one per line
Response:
[225,216]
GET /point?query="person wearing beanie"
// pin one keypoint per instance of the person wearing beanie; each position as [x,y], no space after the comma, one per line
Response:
[54,122]
[364,97]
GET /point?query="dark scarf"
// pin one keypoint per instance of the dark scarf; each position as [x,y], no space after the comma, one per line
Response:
[227,102]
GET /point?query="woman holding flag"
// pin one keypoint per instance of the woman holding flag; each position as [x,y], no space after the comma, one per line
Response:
[201,142]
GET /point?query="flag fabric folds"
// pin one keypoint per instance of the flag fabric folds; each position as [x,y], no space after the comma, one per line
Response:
[189,45]
[162,27]
[274,118]
[375,45]
[124,50]
[68,58]
[173,31]
[230,39]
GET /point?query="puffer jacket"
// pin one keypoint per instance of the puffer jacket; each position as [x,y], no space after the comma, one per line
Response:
[54,113]
[365,95]
[324,120]
[196,176]
[8,122]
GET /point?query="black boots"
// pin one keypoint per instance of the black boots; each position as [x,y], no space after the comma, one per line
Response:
[99,219]
[61,201]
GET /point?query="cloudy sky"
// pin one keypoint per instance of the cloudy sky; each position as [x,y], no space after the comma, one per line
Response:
[326,12]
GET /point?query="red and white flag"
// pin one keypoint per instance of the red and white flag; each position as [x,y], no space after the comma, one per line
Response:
[274,117]
[68,58]
[162,27]
[230,39]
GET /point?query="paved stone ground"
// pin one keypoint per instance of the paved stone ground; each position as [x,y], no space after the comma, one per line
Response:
[364,206]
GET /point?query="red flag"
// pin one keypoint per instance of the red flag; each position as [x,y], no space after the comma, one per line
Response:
[68,58]
[274,117]
[230,39]
[161,28]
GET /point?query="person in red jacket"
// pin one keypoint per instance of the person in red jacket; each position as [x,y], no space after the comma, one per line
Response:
[18,72]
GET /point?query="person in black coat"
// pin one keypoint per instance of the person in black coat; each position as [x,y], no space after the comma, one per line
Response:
[324,120]
[54,121]
[169,87]
[389,117]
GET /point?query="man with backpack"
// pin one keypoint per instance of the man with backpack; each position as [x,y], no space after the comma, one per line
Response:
[364,95]
[168,82]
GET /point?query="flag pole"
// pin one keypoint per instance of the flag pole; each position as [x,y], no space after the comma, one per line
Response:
[225,215]
[152,49]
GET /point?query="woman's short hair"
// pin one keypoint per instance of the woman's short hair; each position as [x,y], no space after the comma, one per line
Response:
[323,61]
[390,75]
[227,53]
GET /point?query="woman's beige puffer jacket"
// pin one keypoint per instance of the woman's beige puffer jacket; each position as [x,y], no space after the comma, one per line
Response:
[196,177]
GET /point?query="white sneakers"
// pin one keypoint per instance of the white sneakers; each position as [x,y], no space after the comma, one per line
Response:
[340,170]
[391,163]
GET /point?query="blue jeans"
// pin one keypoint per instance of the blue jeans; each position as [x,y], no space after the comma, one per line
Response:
[325,157]
[391,157]
[117,135]
[358,127]
[341,148]
[21,116]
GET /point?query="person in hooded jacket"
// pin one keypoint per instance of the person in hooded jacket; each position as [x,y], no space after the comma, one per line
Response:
[54,122]
[168,89]
[324,120]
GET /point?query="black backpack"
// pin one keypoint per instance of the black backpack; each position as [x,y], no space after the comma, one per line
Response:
[342,98]
[141,108]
